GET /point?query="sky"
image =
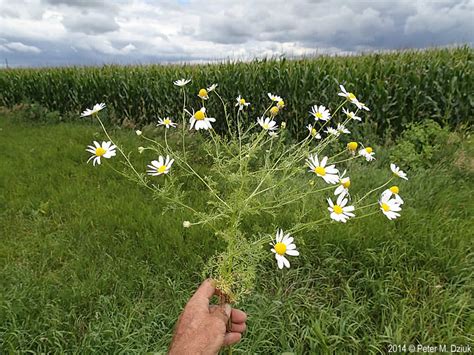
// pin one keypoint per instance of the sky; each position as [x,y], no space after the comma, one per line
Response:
[94,32]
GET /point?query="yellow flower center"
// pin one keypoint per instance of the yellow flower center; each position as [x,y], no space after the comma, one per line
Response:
[242,101]
[199,115]
[351,96]
[100,151]
[202,93]
[320,170]
[162,169]
[337,209]
[168,121]
[346,184]
[352,146]
[319,115]
[280,248]
[385,207]
[369,150]
[266,126]
[274,111]
[314,132]
[281,103]
[395,190]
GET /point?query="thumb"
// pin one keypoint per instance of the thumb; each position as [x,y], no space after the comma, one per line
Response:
[222,312]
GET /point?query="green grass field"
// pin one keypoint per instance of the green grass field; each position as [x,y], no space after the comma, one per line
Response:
[89,262]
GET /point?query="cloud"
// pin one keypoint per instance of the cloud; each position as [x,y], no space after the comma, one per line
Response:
[443,23]
[20,47]
[90,23]
[63,32]
[77,3]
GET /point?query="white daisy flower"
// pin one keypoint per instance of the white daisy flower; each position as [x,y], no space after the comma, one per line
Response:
[166,122]
[348,95]
[267,123]
[367,153]
[394,190]
[389,207]
[181,82]
[400,173]
[274,97]
[333,131]
[344,183]
[342,129]
[339,211]
[104,150]
[313,132]
[241,103]
[320,113]
[203,94]
[211,88]
[360,105]
[199,120]
[352,98]
[160,166]
[93,111]
[283,246]
[351,115]
[328,173]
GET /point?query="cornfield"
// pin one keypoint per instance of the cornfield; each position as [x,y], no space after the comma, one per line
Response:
[399,87]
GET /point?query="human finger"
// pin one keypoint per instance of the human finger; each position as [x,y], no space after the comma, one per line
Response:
[204,293]
[232,338]
[238,316]
[221,312]
[238,327]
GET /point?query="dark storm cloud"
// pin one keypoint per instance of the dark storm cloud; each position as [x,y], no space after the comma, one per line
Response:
[344,24]
[63,32]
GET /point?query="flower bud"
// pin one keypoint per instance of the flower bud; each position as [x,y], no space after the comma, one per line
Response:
[186,224]
[141,150]
[274,111]
[352,146]
[138,132]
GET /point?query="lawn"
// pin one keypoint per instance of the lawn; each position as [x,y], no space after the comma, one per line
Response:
[89,262]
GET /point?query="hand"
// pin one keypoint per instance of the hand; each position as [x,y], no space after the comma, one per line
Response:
[201,328]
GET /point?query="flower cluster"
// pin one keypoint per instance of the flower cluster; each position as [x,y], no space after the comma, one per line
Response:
[257,170]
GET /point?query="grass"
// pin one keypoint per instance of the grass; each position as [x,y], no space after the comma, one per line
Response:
[88,262]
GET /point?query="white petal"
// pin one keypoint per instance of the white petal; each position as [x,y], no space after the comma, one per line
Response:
[280,262]
[324,161]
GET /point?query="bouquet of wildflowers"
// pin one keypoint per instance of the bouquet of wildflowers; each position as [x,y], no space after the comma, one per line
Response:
[254,173]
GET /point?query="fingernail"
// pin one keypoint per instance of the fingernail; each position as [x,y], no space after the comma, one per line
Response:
[227,309]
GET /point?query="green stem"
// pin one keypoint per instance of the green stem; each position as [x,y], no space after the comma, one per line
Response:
[225,113]
[373,190]
[184,122]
